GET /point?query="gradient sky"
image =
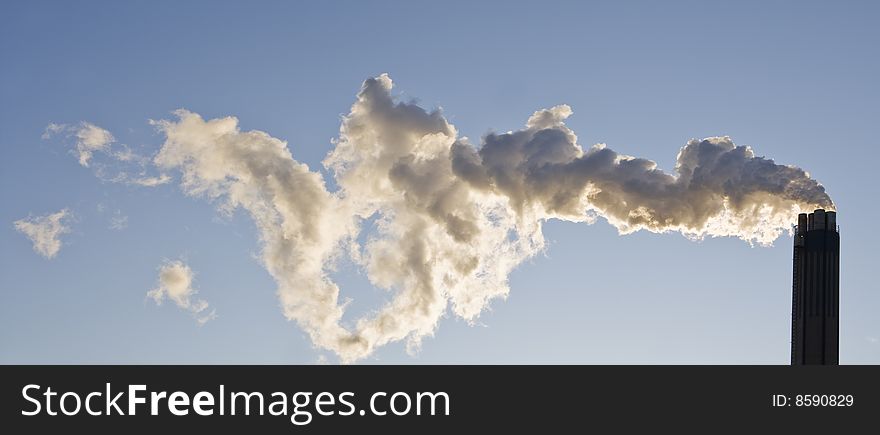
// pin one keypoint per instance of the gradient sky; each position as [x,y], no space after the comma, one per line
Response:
[795,80]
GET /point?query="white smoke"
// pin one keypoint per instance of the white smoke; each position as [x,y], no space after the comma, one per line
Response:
[119,163]
[176,283]
[454,220]
[89,138]
[718,189]
[118,221]
[45,231]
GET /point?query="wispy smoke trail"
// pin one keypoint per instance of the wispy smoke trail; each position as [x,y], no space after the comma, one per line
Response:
[454,220]
[89,138]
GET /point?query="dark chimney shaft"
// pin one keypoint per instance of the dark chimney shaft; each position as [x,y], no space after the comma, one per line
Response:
[815,290]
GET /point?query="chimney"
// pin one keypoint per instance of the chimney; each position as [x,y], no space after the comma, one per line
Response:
[815,290]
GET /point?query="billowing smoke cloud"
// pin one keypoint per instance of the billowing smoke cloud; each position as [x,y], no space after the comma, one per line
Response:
[301,225]
[718,189]
[454,220]
[45,231]
[176,283]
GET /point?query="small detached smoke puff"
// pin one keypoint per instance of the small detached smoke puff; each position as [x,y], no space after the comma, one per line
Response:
[45,231]
[176,284]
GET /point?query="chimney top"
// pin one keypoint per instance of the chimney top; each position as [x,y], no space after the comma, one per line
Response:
[819,219]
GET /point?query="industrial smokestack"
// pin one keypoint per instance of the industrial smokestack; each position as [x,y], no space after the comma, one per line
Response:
[815,290]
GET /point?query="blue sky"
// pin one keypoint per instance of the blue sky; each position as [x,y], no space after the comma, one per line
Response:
[794,80]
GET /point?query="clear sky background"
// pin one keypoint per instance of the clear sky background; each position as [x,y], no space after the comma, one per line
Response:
[795,80]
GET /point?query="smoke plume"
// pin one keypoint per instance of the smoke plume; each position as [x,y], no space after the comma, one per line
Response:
[453,219]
